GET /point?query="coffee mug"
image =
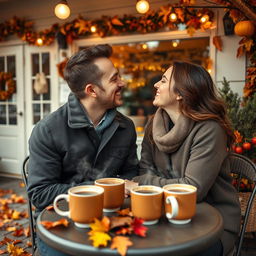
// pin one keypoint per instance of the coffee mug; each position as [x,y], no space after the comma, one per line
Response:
[146,203]
[180,202]
[113,193]
[85,204]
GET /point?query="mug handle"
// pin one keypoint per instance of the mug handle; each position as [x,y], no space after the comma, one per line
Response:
[175,207]
[55,206]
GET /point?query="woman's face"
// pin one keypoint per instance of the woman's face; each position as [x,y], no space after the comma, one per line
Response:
[165,96]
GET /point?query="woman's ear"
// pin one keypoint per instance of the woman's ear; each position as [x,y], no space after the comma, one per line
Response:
[90,91]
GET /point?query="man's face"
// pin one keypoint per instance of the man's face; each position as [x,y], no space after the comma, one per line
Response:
[109,93]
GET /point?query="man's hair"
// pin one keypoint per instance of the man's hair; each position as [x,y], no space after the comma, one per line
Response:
[81,70]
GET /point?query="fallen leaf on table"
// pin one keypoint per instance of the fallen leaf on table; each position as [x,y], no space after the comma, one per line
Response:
[138,228]
[14,250]
[49,208]
[101,226]
[99,238]
[120,221]
[121,243]
[125,212]
[2,252]
[124,231]
[52,224]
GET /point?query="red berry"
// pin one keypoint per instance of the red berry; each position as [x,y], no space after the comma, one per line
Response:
[254,140]
[239,150]
[247,146]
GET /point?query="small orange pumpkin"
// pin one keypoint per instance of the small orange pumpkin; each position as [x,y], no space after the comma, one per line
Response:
[244,28]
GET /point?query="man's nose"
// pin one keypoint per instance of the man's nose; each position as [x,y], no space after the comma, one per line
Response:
[121,83]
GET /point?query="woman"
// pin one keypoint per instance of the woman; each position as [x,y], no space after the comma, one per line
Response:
[187,141]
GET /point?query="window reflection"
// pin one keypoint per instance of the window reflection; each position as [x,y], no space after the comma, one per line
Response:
[12,114]
[3,118]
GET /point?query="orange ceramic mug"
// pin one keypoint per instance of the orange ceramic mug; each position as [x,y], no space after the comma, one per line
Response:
[113,193]
[146,203]
[180,202]
[85,204]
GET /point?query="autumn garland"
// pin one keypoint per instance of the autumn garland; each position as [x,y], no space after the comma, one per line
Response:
[7,80]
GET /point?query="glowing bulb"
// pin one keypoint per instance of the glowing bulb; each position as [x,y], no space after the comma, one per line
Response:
[175,43]
[209,70]
[142,6]
[173,17]
[62,10]
[144,46]
[39,41]
[204,18]
[93,29]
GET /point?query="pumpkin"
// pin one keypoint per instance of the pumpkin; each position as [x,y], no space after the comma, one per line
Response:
[244,28]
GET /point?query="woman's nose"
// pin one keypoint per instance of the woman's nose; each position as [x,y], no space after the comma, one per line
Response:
[156,85]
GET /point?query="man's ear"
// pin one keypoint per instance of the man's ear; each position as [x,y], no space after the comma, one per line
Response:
[90,90]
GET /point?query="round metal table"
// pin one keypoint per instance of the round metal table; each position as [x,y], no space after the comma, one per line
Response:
[163,238]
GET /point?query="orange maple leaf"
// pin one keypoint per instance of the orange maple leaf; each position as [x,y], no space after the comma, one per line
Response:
[124,212]
[101,226]
[14,250]
[121,243]
[52,224]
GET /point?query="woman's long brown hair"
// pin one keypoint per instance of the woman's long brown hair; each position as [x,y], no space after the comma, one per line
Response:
[199,96]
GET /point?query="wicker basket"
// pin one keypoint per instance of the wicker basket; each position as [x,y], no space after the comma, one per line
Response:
[251,224]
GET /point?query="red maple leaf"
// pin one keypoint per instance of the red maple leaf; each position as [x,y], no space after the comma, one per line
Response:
[138,228]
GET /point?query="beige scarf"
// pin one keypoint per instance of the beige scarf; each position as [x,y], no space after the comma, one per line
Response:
[166,139]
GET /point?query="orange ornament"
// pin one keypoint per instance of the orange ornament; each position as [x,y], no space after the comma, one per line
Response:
[244,28]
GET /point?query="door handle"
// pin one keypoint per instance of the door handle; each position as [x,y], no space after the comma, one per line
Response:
[20,113]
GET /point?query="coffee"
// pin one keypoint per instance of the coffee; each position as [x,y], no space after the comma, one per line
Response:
[176,190]
[146,191]
[86,193]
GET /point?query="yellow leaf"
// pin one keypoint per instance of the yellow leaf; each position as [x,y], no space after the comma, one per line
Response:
[14,250]
[99,238]
[101,226]
[121,243]
[16,215]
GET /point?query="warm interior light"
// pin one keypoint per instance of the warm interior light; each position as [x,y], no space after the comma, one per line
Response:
[39,41]
[62,10]
[142,6]
[175,43]
[204,18]
[173,17]
[93,29]
[144,46]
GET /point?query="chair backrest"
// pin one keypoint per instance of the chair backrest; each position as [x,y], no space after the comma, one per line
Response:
[244,168]
[30,211]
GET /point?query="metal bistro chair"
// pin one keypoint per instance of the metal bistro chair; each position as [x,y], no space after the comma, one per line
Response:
[30,212]
[244,168]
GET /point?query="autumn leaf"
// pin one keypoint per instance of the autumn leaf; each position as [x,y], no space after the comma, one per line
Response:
[120,221]
[49,208]
[191,31]
[138,228]
[116,21]
[16,215]
[217,42]
[22,184]
[27,231]
[18,232]
[125,212]
[124,231]
[99,238]
[2,252]
[52,224]
[101,226]
[29,243]
[248,45]
[14,250]
[121,243]
[240,51]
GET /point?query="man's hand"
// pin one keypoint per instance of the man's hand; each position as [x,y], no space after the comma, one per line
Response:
[129,185]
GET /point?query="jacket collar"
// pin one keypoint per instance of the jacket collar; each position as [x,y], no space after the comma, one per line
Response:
[77,116]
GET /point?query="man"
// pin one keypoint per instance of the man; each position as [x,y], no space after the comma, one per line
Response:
[85,139]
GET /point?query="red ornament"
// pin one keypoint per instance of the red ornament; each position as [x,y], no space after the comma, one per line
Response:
[247,146]
[239,150]
[254,140]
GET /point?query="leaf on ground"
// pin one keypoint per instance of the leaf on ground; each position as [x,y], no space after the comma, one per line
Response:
[5,241]
[138,228]
[22,184]
[99,238]
[14,250]
[18,199]
[16,215]
[27,231]
[101,225]
[121,243]
[17,241]
[49,208]
[52,224]
[29,243]
[18,232]
[10,229]
[120,221]
[125,212]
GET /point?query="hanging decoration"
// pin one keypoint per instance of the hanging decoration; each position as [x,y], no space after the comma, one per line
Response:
[61,67]
[40,84]
[7,81]
[152,21]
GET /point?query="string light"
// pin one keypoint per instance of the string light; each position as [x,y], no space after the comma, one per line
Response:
[142,6]
[39,41]
[62,10]
[144,46]
[173,17]
[175,43]
[93,29]
[204,18]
